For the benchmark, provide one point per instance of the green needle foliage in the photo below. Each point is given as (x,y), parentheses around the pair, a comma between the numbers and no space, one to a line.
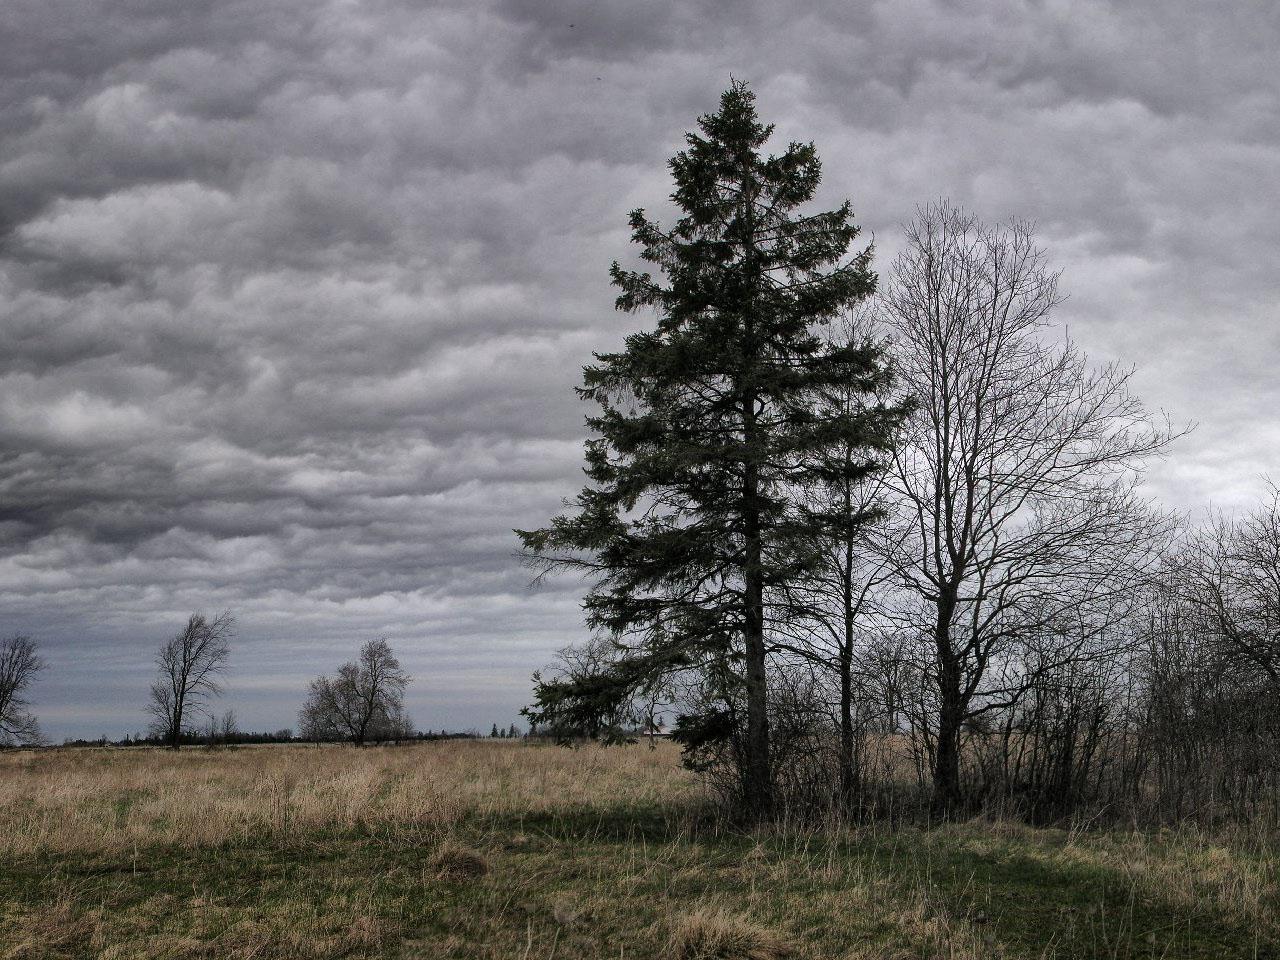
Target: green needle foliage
(709,428)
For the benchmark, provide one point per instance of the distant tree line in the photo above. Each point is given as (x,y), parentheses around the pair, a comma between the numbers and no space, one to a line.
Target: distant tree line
(362,703)
(879,543)
(244,738)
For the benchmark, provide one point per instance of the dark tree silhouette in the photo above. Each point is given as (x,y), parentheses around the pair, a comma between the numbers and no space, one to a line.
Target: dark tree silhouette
(189,667)
(19,664)
(365,701)
(691,522)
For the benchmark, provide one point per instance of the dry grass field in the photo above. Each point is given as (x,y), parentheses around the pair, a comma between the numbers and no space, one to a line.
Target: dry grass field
(524,851)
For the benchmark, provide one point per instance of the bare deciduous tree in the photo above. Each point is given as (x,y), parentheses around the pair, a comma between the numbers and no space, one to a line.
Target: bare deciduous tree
(1233,579)
(189,666)
(19,664)
(1017,471)
(364,701)
(222,729)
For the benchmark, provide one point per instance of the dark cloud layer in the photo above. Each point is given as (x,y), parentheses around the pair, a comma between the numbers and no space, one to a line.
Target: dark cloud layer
(293,295)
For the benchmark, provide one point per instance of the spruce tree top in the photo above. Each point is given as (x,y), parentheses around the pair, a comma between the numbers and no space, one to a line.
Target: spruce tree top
(708,423)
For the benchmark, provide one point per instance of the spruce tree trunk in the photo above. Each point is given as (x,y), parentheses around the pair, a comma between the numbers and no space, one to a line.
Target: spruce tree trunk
(848,770)
(757,779)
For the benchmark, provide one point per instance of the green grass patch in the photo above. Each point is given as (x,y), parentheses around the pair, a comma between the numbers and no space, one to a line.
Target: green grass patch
(610,885)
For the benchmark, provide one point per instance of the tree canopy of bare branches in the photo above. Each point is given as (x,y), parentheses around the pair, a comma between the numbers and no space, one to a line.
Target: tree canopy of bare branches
(189,665)
(19,665)
(1232,580)
(363,702)
(1016,475)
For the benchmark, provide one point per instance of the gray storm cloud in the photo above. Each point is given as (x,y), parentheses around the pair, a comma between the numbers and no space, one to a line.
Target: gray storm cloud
(293,295)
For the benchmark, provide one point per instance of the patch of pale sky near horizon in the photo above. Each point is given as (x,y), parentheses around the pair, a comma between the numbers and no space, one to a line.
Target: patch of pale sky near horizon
(294,296)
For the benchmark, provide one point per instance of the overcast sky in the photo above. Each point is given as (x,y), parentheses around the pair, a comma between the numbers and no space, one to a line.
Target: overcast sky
(293,295)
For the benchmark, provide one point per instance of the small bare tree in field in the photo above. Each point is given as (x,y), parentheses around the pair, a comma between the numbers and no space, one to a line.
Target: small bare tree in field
(1016,474)
(189,666)
(364,701)
(222,729)
(19,664)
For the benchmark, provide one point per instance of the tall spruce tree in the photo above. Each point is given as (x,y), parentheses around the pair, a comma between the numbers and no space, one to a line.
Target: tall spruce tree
(692,524)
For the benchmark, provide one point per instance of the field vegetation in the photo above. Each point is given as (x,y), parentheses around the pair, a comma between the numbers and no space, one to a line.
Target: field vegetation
(523,850)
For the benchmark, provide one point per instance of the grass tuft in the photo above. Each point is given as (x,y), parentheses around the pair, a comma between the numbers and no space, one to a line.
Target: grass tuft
(714,934)
(455,862)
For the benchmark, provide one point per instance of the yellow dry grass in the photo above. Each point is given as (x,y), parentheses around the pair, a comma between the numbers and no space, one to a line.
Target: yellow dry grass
(477,850)
(107,801)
